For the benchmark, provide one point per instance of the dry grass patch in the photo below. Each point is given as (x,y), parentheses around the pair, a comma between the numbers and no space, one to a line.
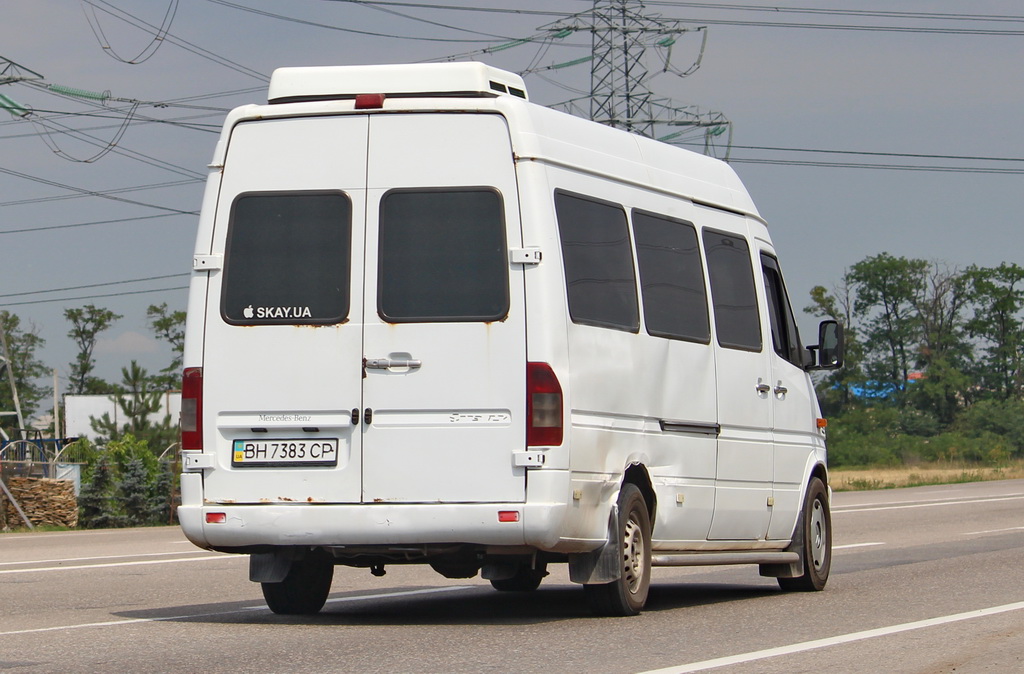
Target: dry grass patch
(858,479)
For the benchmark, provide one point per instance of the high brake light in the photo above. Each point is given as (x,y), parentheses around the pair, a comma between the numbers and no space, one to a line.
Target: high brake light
(192,408)
(543,406)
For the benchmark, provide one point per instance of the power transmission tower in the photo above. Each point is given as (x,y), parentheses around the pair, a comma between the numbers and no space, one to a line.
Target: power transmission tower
(620,96)
(12,72)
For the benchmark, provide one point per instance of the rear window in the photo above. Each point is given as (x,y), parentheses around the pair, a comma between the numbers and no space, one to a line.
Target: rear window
(442,256)
(287,259)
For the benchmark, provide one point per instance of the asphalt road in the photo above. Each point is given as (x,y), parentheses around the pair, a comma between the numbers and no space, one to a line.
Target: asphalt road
(923,580)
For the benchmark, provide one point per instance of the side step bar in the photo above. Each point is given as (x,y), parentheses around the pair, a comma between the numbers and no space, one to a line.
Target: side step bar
(720,558)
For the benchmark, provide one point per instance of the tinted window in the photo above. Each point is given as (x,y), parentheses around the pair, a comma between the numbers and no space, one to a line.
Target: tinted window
(785,337)
(737,321)
(671,278)
(287,259)
(598,262)
(442,256)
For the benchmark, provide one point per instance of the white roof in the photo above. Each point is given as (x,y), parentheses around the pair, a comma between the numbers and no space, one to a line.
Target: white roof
(446,79)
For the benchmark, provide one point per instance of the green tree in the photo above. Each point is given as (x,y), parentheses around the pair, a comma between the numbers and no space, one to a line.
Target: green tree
(997,297)
(97,502)
(943,350)
(86,325)
(888,290)
(836,389)
(24,367)
(142,397)
(169,326)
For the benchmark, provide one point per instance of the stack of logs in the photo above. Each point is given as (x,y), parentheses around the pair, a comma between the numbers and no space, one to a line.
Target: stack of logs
(44,501)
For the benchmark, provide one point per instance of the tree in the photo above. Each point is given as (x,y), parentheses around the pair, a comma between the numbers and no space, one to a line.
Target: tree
(169,326)
(836,389)
(141,398)
(86,325)
(943,350)
(887,293)
(997,297)
(24,367)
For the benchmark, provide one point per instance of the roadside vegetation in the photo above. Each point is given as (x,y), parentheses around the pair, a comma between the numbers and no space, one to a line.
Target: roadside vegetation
(933,385)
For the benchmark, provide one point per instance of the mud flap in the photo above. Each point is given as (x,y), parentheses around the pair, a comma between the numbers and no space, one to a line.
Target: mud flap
(795,569)
(272,567)
(603,565)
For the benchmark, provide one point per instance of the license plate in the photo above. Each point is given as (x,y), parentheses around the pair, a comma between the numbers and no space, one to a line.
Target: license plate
(285,452)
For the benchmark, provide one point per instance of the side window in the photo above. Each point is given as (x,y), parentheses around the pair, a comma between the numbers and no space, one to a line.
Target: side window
(442,256)
(737,320)
(288,259)
(785,337)
(671,278)
(598,262)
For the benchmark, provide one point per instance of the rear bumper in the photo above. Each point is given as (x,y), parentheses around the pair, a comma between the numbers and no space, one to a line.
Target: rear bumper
(378,524)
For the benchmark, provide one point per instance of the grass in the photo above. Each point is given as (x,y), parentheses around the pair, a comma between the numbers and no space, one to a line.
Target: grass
(921,474)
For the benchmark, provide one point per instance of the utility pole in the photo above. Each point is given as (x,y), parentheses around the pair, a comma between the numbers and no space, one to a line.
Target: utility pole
(622,38)
(6,369)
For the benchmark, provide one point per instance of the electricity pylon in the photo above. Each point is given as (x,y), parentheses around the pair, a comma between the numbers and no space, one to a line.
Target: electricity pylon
(623,37)
(12,72)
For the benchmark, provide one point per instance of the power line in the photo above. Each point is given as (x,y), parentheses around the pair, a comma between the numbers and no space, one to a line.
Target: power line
(95,285)
(92,297)
(168,37)
(316,24)
(764,24)
(93,193)
(880,154)
(94,222)
(119,190)
(886,167)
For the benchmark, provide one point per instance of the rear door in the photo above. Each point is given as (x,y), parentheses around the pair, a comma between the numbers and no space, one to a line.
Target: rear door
(444,388)
(365,339)
(283,349)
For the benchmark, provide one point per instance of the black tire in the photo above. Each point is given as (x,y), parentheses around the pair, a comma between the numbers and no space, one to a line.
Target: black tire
(304,590)
(526,579)
(627,595)
(816,550)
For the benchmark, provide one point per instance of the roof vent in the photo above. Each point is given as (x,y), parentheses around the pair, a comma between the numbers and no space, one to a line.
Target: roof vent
(419,80)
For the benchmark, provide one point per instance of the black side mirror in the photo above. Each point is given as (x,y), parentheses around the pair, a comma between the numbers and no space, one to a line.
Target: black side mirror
(829,349)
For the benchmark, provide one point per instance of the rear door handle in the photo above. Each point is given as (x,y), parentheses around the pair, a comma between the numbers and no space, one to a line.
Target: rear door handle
(390,363)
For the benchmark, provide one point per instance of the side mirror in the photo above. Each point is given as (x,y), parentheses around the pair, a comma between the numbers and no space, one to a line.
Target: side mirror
(829,349)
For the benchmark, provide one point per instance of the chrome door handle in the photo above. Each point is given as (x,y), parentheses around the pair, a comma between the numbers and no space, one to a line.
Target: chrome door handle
(388,363)
(781,390)
(763,388)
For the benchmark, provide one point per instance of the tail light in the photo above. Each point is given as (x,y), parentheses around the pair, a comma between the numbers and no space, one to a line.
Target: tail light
(543,406)
(192,408)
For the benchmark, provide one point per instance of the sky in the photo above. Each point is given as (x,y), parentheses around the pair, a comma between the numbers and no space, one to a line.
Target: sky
(915,83)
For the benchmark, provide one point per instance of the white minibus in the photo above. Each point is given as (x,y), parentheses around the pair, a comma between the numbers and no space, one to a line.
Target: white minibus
(431,322)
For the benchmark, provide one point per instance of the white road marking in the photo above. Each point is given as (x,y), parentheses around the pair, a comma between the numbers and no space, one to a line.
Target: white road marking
(77,567)
(835,641)
(993,531)
(931,500)
(930,504)
(855,545)
(136,621)
(84,559)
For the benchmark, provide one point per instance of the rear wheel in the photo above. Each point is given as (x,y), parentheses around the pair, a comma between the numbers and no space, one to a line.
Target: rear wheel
(304,590)
(526,579)
(627,595)
(817,544)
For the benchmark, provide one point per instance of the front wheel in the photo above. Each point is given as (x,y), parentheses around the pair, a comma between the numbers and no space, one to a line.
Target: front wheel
(627,595)
(304,590)
(816,549)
